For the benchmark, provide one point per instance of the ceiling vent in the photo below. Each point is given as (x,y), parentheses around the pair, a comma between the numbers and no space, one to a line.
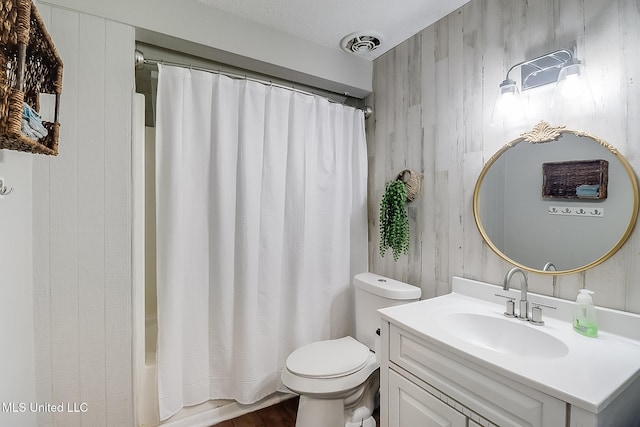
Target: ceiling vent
(361,42)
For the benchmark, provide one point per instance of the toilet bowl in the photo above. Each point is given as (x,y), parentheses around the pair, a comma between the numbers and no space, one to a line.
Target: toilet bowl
(333,380)
(338,380)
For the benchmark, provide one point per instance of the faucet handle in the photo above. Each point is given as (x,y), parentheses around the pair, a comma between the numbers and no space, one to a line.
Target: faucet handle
(510,305)
(536,313)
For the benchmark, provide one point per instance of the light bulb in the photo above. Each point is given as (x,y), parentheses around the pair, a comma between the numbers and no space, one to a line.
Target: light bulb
(571,86)
(507,102)
(572,93)
(508,106)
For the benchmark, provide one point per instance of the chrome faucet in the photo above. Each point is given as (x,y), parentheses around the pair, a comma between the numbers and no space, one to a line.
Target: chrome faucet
(547,267)
(524,287)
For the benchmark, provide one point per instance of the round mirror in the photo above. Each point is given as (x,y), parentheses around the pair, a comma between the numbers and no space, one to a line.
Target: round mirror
(556,198)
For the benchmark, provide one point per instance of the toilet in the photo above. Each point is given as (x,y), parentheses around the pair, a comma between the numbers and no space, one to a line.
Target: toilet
(338,380)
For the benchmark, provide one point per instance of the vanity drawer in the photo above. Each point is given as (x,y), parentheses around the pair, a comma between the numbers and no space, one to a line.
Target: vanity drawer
(499,399)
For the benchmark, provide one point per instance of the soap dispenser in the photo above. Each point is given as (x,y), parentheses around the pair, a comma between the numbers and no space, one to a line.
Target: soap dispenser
(584,318)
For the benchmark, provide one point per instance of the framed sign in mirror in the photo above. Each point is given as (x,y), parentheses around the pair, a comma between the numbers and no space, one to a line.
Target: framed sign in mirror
(555,195)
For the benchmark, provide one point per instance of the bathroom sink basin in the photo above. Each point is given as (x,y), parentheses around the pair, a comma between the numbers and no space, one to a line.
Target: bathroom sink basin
(504,335)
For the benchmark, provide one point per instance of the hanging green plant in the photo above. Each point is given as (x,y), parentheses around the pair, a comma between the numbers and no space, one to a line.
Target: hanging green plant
(394,222)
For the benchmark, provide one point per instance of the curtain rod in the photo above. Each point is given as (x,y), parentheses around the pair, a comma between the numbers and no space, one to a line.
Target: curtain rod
(140,60)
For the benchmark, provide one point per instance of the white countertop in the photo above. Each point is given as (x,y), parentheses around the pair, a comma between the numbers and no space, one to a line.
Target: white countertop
(591,373)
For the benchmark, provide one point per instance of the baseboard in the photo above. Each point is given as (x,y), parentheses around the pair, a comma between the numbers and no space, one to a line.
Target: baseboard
(226,412)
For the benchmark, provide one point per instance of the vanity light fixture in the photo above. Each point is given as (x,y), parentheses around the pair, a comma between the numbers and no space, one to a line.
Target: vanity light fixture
(559,67)
(508,106)
(573,89)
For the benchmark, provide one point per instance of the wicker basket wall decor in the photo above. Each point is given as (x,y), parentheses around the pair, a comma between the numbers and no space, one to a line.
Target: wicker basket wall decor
(29,66)
(413,181)
(562,180)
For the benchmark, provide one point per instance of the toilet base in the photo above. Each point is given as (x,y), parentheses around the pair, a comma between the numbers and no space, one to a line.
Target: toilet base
(326,413)
(320,412)
(369,422)
(353,410)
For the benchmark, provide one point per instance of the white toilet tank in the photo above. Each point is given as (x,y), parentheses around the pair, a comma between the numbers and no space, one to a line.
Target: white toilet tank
(373,292)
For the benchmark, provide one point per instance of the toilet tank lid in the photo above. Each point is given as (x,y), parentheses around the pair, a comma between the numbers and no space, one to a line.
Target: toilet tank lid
(386,287)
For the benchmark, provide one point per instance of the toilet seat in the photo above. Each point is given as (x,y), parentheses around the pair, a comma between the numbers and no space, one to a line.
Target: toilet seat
(328,359)
(329,383)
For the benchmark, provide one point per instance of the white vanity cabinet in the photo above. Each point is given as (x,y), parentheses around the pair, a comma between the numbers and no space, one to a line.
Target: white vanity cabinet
(457,360)
(423,385)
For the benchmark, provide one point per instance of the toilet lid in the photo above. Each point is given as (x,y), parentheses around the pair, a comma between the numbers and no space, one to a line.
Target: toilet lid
(328,359)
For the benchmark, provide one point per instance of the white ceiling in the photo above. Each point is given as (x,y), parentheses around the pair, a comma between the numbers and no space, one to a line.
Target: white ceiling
(326,22)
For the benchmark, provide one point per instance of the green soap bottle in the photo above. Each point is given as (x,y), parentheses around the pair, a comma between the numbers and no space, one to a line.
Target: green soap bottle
(584,318)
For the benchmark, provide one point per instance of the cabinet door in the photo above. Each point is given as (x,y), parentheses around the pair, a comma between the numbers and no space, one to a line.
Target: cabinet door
(411,406)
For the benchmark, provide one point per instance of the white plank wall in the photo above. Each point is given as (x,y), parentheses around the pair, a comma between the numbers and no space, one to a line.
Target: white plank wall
(17,358)
(82,228)
(432,100)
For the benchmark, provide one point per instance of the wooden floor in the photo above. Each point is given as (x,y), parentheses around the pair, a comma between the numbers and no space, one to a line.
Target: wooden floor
(281,415)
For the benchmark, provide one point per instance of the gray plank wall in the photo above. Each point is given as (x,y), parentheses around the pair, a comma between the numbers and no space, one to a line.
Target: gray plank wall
(433,97)
(82,228)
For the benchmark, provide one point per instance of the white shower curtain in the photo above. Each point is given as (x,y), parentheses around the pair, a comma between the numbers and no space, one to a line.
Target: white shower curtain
(261,225)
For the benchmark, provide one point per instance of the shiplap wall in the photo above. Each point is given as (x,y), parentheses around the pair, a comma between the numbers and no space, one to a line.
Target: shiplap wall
(17,371)
(432,99)
(82,228)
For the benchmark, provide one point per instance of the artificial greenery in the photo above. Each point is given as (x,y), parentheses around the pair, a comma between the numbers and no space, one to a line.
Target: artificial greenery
(394,222)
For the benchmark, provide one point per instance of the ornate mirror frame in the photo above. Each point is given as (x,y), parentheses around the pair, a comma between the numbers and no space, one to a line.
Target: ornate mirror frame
(540,134)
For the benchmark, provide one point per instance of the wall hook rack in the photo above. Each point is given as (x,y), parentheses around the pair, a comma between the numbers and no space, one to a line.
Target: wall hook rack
(4,190)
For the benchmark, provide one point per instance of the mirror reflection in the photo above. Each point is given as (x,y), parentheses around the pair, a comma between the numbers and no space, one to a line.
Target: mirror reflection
(556,196)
